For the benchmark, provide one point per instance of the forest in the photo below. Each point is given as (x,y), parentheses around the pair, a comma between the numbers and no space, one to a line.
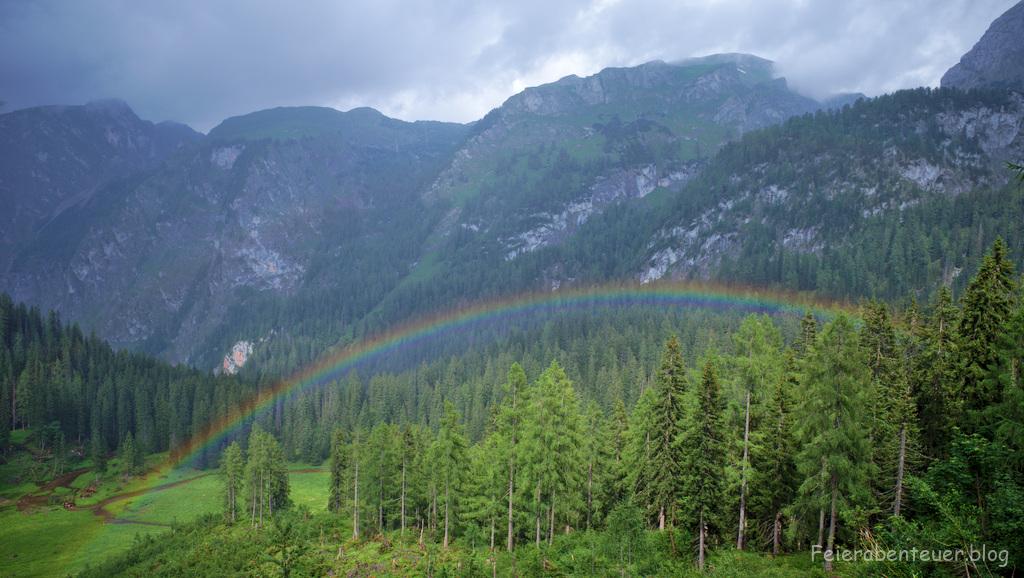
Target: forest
(693,443)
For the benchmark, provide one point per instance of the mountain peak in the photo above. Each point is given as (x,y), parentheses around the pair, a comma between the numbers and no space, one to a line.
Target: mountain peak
(110,106)
(289,122)
(997,60)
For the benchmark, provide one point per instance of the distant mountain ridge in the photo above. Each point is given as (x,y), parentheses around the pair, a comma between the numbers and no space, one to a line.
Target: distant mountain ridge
(54,157)
(997,60)
(297,227)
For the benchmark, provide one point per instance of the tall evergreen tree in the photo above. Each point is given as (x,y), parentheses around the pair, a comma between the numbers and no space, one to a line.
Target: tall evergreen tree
(757,346)
(449,454)
(266,477)
(232,471)
(775,481)
(657,479)
(551,450)
(987,303)
(935,374)
(338,488)
(507,427)
(702,448)
(835,460)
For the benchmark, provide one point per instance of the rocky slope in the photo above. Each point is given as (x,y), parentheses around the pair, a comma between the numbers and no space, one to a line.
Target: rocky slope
(54,158)
(810,188)
(261,207)
(553,155)
(289,229)
(997,60)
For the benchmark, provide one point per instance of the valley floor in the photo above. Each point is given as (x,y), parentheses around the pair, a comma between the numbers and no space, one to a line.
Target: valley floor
(73,521)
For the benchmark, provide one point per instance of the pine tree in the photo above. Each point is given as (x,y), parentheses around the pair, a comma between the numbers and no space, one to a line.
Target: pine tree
(935,374)
(339,467)
(449,454)
(702,448)
(551,450)
(232,471)
(659,471)
(987,303)
(757,344)
(835,460)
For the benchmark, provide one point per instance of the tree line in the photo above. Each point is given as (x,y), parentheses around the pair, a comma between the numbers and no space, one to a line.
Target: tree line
(895,429)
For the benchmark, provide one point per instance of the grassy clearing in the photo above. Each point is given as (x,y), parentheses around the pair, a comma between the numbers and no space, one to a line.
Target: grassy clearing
(52,541)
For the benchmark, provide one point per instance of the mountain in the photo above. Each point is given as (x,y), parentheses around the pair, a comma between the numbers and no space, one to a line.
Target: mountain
(54,158)
(997,60)
(284,203)
(287,230)
(321,220)
(553,155)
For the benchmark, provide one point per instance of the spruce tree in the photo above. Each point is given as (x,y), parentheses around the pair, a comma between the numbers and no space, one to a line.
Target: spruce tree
(935,374)
(775,480)
(757,346)
(1006,419)
(507,428)
(835,458)
(987,303)
(338,488)
(702,449)
(551,451)
(657,485)
(449,454)
(232,471)
(894,417)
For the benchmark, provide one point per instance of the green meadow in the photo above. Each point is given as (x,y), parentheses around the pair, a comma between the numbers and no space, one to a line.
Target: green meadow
(39,537)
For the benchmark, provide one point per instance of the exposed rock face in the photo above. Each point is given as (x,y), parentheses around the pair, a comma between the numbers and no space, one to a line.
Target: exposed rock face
(604,137)
(622,185)
(975,142)
(235,360)
(158,261)
(997,60)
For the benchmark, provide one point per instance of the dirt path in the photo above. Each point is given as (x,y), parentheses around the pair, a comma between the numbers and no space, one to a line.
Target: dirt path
(41,497)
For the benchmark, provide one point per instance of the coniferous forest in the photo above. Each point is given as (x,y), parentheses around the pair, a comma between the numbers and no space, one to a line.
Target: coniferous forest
(627,307)
(649,453)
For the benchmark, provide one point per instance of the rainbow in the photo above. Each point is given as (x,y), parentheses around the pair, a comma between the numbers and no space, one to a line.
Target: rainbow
(336,362)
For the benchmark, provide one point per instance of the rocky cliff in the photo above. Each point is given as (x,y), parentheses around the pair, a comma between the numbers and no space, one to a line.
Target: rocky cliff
(997,60)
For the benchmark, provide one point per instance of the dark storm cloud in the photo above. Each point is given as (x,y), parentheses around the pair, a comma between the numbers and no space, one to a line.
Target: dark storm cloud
(200,60)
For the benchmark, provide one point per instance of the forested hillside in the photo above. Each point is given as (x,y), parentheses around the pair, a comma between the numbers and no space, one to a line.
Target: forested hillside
(886,198)
(891,430)
(670,319)
(73,391)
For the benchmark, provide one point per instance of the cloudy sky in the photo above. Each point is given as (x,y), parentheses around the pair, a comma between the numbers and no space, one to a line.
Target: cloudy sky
(199,61)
